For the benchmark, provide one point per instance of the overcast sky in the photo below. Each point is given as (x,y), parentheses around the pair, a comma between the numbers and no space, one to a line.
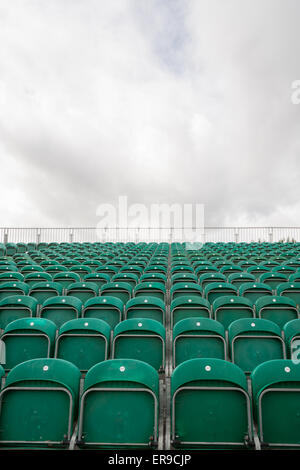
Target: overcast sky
(160,100)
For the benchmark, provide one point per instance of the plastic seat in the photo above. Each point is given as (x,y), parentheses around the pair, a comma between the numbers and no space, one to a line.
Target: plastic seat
(154,277)
(182,278)
(15,307)
(81,270)
(278,309)
(84,342)
(230,308)
(13,288)
(97,278)
(28,338)
(82,290)
(65,278)
(276,398)
(107,269)
(115,393)
(208,278)
(238,279)
(291,290)
(210,405)
(184,289)
(198,337)
(107,308)
(145,307)
(42,291)
(253,341)
(34,277)
(39,403)
(215,290)
(253,291)
(273,279)
(153,289)
(140,338)
(121,290)
(9,276)
(292,339)
(189,306)
(61,309)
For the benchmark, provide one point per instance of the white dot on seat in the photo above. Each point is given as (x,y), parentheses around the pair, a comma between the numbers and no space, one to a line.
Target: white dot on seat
(31,323)
(104,300)
(287,369)
(207,368)
(122,369)
(140,325)
(86,324)
(145,300)
(198,323)
(19,300)
(274,300)
(45,368)
(253,325)
(189,300)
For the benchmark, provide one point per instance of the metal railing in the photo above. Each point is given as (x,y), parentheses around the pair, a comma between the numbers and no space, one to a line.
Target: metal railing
(147,234)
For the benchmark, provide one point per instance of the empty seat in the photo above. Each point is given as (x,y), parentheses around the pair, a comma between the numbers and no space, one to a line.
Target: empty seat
(185,288)
(61,309)
(276,398)
(278,309)
(11,276)
(34,277)
(273,279)
(80,269)
(65,278)
(109,309)
(253,291)
(215,290)
(185,277)
(291,290)
(154,289)
(28,338)
(210,405)
(115,393)
(107,269)
(189,306)
(140,338)
(230,308)
(145,307)
(82,290)
(13,288)
(208,278)
(42,291)
(292,339)
(84,342)
(238,279)
(121,290)
(153,277)
(253,341)
(38,403)
(97,278)
(15,307)
(129,278)
(198,337)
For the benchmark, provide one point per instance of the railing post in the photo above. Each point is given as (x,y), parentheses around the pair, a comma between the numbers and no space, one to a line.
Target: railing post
(271,235)
(38,236)
(71,236)
(5,240)
(236,236)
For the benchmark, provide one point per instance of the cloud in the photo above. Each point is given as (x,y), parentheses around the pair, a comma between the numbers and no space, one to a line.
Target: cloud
(161,101)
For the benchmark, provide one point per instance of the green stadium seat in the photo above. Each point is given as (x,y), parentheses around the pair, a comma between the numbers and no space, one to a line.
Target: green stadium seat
(253,291)
(208,278)
(28,338)
(184,289)
(97,278)
(185,277)
(291,290)
(81,270)
(9,276)
(198,337)
(230,308)
(292,339)
(189,306)
(61,309)
(253,341)
(42,291)
(273,279)
(278,309)
(146,307)
(116,392)
(34,277)
(140,338)
(13,288)
(39,404)
(15,307)
(65,278)
(238,279)
(211,407)
(154,289)
(107,308)
(84,342)
(121,290)
(82,290)
(215,290)
(153,277)
(276,393)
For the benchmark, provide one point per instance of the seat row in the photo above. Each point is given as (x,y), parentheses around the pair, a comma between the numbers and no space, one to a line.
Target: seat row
(210,405)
